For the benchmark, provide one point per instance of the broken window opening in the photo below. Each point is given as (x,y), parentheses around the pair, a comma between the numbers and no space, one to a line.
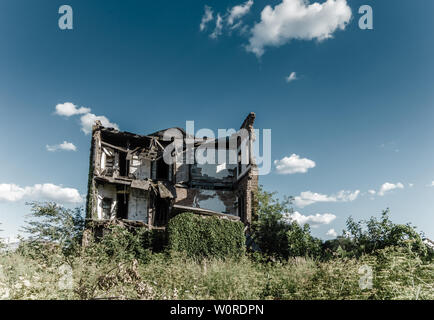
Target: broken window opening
(161,212)
(107,207)
(239,163)
(241,208)
(124,164)
(122,205)
(162,169)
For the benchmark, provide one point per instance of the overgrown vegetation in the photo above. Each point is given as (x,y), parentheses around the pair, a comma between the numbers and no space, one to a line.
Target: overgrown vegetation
(206,259)
(201,237)
(275,235)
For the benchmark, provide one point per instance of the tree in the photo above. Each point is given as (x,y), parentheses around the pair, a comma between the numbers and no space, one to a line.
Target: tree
(275,234)
(368,236)
(53,224)
(301,242)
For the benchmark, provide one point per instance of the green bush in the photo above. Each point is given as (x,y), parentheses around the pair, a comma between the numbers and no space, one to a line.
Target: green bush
(203,237)
(120,244)
(369,236)
(278,236)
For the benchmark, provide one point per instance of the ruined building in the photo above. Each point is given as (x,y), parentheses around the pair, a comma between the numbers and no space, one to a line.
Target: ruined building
(130,180)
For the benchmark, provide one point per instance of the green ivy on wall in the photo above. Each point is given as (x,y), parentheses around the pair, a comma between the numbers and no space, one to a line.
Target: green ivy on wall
(200,236)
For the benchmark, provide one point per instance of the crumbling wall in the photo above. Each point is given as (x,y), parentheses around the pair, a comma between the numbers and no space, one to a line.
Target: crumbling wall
(246,189)
(106,191)
(138,205)
(140,168)
(122,163)
(219,174)
(94,167)
(216,200)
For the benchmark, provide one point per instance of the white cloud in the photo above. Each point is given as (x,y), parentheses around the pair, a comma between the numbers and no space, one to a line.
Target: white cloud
(313,220)
(411,185)
(88,120)
(47,191)
(332,233)
(207,17)
(293,164)
(291,77)
(239,11)
(229,21)
(432,184)
(372,192)
(11,192)
(68,109)
(386,187)
(218,27)
(346,196)
(297,19)
(66,146)
(307,197)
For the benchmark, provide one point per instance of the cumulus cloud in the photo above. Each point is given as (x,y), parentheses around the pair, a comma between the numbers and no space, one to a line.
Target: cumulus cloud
(66,146)
(386,187)
(46,191)
(313,220)
(297,19)
(372,192)
(207,17)
(332,233)
(87,119)
(307,197)
(239,11)
(69,109)
(291,77)
(293,164)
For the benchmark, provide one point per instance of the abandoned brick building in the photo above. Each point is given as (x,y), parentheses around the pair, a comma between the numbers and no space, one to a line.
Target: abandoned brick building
(129,179)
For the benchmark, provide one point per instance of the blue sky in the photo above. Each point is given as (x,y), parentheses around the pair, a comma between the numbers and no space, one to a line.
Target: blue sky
(360,106)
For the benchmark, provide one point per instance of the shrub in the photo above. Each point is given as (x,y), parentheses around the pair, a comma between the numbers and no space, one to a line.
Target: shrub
(278,236)
(206,236)
(120,244)
(368,236)
(54,224)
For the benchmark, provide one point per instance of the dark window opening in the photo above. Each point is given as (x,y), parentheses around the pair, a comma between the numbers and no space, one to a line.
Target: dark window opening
(161,213)
(239,163)
(122,206)
(241,208)
(124,164)
(252,205)
(107,207)
(162,169)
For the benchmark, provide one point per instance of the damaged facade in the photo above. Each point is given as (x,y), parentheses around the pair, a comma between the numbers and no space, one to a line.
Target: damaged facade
(130,180)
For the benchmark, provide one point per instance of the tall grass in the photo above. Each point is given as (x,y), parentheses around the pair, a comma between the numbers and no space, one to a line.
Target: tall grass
(397,274)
